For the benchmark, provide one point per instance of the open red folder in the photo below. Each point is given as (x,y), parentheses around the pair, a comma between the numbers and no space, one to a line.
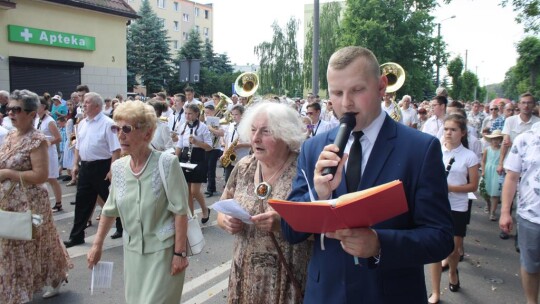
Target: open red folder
(353,210)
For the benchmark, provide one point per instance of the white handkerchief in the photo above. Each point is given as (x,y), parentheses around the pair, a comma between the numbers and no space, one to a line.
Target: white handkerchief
(101,276)
(231,207)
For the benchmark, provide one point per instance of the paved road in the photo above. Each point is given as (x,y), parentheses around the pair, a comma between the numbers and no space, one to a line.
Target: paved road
(489,273)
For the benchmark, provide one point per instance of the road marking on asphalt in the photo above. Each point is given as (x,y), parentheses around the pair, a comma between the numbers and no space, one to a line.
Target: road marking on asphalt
(207,276)
(80,250)
(64,215)
(209,293)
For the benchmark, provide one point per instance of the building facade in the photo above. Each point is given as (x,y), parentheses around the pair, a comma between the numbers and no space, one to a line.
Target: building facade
(54,45)
(181,16)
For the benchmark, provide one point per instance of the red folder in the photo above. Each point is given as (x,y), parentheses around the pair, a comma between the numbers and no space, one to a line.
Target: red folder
(353,210)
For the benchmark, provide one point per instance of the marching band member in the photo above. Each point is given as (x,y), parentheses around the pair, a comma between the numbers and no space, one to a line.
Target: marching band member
(193,140)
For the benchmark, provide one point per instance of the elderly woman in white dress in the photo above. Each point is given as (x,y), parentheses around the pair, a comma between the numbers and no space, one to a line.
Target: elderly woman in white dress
(154,219)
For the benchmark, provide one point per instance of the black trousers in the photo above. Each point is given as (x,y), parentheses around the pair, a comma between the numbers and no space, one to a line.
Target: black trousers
(212,157)
(227,172)
(90,184)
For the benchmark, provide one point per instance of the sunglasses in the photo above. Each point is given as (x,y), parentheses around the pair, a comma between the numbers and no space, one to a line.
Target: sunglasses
(16,110)
(126,129)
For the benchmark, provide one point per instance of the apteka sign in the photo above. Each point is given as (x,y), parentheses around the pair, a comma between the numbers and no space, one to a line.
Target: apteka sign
(24,34)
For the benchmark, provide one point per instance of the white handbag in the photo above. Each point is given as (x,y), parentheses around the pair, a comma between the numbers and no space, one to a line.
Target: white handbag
(17,225)
(195,238)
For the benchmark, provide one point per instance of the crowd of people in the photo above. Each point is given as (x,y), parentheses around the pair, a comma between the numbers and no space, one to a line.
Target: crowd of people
(145,163)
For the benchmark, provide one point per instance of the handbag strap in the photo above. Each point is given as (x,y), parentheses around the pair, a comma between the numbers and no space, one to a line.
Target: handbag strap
(296,284)
(164,181)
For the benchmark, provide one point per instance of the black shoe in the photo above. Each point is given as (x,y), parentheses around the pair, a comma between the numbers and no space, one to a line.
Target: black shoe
(66,179)
(72,203)
(116,235)
(503,235)
(209,194)
(517,249)
(204,220)
(461,257)
(454,287)
(57,207)
(73,242)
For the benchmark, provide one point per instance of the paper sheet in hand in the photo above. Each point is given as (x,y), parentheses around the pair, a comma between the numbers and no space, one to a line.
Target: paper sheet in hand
(188,165)
(212,121)
(101,276)
(231,207)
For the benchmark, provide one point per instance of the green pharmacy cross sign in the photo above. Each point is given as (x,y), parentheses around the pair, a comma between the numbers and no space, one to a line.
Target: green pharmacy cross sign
(30,35)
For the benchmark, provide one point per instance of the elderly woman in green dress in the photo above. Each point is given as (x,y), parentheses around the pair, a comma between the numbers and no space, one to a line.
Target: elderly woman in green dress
(155,221)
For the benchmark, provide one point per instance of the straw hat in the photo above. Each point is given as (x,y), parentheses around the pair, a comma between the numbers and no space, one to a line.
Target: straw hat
(494,134)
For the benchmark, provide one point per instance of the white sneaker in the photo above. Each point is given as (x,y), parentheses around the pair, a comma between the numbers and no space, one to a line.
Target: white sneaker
(52,292)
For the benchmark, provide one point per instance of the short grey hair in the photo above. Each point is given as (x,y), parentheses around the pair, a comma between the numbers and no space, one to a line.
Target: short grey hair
(29,99)
(4,94)
(283,122)
(95,98)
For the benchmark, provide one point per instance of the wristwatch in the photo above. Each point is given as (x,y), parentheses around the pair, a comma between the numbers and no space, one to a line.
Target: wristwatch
(181,254)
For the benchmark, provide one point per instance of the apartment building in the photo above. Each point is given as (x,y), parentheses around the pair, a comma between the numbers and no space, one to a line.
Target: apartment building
(180,17)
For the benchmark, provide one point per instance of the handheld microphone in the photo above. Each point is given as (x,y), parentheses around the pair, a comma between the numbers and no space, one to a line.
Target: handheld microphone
(346,125)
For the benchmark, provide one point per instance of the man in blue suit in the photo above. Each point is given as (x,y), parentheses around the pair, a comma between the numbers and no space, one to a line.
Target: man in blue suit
(383,263)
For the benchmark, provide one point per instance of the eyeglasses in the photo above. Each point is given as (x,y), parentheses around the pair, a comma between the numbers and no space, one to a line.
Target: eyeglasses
(494,109)
(16,110)
(126,129)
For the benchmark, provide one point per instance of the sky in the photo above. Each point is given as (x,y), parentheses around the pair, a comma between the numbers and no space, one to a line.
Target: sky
(482,29)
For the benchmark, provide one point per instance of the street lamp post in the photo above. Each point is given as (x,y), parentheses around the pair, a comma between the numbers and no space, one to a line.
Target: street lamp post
(439,49)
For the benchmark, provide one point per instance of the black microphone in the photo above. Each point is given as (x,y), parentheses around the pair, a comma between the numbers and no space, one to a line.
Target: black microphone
(346,125)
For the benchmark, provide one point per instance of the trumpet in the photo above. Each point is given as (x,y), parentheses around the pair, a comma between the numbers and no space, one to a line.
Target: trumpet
(396,78)
(224,102)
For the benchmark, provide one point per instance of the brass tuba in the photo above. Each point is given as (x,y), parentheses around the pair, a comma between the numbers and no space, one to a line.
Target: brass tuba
(224,102)
(396,78)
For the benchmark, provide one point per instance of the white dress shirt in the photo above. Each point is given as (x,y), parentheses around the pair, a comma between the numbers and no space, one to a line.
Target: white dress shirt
(200,133)
(95,139)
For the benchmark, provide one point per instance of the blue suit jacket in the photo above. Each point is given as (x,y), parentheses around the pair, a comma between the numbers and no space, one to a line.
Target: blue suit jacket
(420,236)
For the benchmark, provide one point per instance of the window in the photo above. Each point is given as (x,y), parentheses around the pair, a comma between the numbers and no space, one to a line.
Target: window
(206,14)
(197,28)
(185,17)
(206,32)
(162,21)
(175,44)
(196,12)
(176,27)
(176,6)
(184,36)
(161,3)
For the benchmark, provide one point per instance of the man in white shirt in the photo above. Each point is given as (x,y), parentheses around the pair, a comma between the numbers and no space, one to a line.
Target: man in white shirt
(319,125)
(310,99)
(96,149)
(177,118)
(522,170)
(435,123)
(190,96)
(408,114)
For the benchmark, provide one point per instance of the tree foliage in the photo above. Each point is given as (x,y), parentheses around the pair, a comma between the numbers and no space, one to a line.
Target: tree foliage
(523,77)
(279,67)
(216,69)
(455,68)
(400,31)
(329,42)
(528,13)
(470,86)
(148,56)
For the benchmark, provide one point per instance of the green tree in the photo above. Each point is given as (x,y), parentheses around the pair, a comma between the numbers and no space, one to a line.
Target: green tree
(528,13)
(400,31)
(329,42)
(148,56)
(279,69)
(455,68)
(523,77)
(470,88)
